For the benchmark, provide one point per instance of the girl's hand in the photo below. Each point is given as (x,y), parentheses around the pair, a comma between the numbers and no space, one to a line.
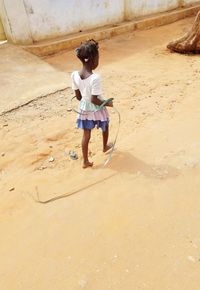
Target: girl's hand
(78,95)
(110,104)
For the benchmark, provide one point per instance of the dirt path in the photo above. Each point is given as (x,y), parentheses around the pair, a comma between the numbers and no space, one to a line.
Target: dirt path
(138,226)
(23,77)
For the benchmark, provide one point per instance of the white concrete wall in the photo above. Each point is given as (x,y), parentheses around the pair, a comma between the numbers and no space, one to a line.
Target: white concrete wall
(2,33)
(55,18)
(188,2)
(135,8)
(26,21)
(15,21)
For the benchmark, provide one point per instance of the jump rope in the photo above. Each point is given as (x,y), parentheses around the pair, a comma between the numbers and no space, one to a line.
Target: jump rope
(37,198)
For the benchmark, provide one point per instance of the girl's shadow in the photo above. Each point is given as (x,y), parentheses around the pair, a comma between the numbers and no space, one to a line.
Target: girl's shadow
(125,162)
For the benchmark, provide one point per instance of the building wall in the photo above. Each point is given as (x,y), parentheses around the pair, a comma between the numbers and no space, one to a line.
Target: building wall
(15,21)
(28,21)
(2,34)
(187,2)
(136,8)
(61,17)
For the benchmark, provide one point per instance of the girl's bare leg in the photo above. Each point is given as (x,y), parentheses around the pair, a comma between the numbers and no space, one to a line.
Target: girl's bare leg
(105,134)
(85,142)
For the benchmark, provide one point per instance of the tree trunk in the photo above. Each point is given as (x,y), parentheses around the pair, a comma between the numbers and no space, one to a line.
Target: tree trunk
(190,42)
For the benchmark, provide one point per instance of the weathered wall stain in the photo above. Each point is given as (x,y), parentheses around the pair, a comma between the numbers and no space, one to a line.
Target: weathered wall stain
(71,16)
(15,21)
(2,34)
(136,8)
(181,3)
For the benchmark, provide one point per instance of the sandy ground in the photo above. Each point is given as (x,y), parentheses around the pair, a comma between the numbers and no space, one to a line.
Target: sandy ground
(132,225)
(23,77)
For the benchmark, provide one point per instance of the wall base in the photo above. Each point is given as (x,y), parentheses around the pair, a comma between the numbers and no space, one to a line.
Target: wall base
(69,42)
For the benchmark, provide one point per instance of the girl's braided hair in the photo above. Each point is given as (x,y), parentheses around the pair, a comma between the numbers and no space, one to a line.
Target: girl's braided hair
(87,50)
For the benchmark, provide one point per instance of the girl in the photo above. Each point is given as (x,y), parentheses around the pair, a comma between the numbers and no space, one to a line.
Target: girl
(87,87)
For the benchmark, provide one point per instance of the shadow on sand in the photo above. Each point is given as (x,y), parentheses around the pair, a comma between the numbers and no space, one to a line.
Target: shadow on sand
(125,162)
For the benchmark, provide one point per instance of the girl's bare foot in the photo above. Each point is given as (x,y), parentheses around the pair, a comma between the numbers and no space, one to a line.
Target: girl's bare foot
(87,164)
(108,147)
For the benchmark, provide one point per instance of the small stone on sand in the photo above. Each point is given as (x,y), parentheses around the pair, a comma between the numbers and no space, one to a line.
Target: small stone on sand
(191,258)
(82,283)
(51,159)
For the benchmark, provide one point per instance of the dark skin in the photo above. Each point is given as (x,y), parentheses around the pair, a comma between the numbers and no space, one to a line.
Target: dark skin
(84,73)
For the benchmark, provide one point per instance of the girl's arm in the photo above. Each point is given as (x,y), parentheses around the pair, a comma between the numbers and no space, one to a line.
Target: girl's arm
(96,101)
(78,95)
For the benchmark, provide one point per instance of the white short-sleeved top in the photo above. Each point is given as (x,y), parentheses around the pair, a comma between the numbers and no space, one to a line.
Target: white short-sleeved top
(87,87)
